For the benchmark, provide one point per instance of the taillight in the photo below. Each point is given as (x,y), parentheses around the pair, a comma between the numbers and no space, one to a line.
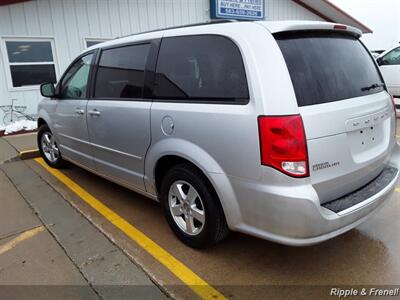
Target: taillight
(283,144)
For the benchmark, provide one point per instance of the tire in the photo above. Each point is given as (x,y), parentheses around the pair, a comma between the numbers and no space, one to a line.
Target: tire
(181,179)
(54,160)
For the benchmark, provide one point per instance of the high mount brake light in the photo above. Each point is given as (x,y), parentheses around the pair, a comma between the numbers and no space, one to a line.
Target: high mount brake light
(339,27)
(283,144)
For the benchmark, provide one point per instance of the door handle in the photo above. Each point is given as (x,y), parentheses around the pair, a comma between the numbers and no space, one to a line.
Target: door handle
(79,111)
(94,112)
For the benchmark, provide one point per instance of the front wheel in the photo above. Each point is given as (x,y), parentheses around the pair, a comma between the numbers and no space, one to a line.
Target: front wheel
(192,207)
(48,148)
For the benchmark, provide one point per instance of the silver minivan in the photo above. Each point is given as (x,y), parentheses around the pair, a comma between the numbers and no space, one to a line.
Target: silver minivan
(281,130)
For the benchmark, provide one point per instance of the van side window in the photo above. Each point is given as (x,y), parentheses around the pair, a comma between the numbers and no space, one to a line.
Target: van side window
(121,72)
(200,68)
(75,81)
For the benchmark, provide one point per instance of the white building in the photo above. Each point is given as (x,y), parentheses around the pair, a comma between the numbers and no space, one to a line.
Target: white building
(39,38)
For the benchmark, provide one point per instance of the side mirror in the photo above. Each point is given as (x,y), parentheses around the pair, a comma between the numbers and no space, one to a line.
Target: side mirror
(48,90)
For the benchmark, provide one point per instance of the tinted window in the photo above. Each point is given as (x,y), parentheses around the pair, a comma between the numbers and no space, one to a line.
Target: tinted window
(74,83)
(327,67)
(31,63)
(23,75)
(29,51)
(90,43)
(204,67)
(392,58)
(121,72)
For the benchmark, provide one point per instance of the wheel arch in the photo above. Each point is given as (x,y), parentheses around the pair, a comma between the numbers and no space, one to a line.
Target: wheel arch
(165,163)
(44,118)
(169,152)
(41,122)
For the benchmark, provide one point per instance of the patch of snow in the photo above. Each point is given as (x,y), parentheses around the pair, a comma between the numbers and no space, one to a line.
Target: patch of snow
(20,125)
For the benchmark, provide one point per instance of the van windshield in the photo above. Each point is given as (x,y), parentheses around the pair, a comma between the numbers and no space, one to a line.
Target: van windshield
(328,66)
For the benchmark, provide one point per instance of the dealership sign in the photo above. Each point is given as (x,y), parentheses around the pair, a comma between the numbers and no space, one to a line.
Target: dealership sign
(238,9)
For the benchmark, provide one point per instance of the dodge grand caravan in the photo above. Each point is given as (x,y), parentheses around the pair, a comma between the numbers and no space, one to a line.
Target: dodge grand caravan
(281,130)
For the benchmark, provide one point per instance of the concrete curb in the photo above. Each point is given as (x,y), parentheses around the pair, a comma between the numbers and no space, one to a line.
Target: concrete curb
(18,147)
(103,265)
(28,154)
(16,133)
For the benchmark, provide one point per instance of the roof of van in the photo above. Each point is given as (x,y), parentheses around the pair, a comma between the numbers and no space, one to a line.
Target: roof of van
(272,26)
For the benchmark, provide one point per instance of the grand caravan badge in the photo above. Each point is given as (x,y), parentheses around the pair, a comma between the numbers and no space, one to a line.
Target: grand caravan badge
(325,165)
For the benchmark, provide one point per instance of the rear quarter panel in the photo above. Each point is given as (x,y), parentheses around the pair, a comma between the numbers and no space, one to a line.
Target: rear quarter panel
(222,139)
(229,133)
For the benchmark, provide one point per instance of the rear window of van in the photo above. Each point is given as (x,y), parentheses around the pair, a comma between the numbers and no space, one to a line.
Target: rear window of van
(327,66)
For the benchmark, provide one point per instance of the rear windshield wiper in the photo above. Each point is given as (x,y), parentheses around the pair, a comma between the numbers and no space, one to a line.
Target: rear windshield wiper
(372,86)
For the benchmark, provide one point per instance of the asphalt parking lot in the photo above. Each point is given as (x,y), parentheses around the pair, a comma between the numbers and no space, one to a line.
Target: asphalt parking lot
(241,267)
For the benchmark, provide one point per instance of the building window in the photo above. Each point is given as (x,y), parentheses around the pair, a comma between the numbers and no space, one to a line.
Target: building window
(89,42)
(31,62)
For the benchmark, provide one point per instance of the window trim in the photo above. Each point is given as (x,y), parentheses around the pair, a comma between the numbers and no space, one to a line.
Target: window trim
(205,100)
(154,43)
(89,82)
(150,73)
(7,64)
(93,39)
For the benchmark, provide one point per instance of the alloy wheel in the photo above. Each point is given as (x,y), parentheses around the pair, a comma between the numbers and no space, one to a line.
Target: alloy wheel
(186,207)
(49,147)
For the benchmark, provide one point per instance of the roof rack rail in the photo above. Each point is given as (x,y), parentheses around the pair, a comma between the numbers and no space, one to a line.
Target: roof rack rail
(213,21)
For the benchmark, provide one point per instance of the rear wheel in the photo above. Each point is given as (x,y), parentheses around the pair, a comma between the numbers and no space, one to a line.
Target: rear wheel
(192,207)
(49,149)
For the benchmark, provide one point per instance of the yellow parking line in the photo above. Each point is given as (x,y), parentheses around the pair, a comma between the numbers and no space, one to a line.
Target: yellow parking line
(20,238)
(397,190)
(180,270)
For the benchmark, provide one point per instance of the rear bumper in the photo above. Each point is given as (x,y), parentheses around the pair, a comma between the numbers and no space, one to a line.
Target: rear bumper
(294,215)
